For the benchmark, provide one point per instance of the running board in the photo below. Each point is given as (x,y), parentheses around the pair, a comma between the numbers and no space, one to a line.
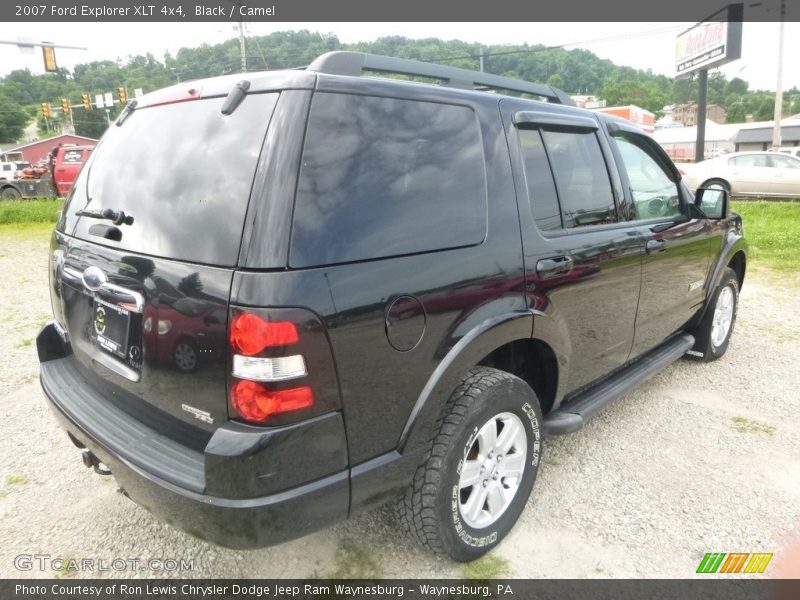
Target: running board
(573,415)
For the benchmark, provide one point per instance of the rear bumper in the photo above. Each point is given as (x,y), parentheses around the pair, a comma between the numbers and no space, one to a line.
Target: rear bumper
(172,480)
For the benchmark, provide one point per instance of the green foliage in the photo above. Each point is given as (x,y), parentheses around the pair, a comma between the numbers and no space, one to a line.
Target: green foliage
(773,232)
(575,71)
(29,211)
(13,118)
(487,567)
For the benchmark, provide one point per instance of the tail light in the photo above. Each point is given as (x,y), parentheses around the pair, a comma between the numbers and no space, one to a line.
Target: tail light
(277,357)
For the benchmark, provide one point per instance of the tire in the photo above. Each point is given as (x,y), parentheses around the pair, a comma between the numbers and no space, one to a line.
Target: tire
(10,193)
(185,356)
(441,509)
(713,334)
(717,184)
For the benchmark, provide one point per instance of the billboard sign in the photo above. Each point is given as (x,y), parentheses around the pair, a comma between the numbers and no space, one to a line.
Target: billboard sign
(711,43)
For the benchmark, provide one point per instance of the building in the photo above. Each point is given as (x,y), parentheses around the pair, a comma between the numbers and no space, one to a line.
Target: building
(33,152)
(758,136)
(679,142)
(588,101)
(686,114)
(642,117)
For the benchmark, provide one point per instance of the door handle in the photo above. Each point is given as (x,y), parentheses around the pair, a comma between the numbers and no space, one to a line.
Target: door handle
(653,246)
(548,268)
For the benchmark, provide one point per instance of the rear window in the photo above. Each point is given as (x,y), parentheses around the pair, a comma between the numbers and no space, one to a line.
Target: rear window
(73,156)
(184,171)
(386,177)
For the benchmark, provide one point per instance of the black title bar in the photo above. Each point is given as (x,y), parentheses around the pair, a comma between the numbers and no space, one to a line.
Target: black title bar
(369,10)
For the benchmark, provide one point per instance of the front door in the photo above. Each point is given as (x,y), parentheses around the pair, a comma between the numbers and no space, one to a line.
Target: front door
(677,247)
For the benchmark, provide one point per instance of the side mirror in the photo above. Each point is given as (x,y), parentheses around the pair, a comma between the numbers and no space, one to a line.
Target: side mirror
(713,202)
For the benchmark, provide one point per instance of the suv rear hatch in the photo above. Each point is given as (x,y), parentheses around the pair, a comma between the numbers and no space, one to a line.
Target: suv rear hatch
(143,288)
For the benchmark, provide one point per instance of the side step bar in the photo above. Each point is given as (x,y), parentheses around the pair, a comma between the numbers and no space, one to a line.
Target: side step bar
(572,416)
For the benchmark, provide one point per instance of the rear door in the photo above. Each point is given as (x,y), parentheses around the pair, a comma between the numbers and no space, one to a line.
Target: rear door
(582,261)
(786,179)
(677,247)
(144,297)
(750,174)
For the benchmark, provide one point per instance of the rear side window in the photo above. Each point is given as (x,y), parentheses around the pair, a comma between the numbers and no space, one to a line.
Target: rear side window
(539,179)
(584,187)
(183,171)
(385,177)
(749,160)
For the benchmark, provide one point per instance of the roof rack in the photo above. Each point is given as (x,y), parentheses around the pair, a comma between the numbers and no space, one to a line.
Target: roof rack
(355,63)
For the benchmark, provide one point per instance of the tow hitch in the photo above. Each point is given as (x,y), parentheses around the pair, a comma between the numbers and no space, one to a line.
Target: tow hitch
(90,460)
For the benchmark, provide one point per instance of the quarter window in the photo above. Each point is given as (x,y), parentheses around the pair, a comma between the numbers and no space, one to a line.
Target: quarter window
(385,177)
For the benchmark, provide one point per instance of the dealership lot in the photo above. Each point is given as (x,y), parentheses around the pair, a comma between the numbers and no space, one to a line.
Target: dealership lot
(702,458)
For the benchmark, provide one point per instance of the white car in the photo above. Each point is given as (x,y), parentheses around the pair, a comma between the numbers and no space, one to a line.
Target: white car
(768,174)
(791,151)
(7,170)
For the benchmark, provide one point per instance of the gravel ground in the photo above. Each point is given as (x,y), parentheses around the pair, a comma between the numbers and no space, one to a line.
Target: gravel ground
(702,458)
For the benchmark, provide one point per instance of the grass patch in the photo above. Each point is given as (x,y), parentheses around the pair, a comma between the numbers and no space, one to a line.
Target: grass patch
(69,568)
(355,562)
(743,425)
(773,231)
(29,211)
(486,567)
(16,479)
(24,343)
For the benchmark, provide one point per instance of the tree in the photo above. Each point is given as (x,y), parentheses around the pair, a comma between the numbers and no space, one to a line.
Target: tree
(13,119)
(90,123)
(555,80)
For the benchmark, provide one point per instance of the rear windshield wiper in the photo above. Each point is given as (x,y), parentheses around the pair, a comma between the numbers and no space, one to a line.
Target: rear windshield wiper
(118,217)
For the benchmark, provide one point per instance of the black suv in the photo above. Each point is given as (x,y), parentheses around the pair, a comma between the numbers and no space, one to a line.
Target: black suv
(331,290)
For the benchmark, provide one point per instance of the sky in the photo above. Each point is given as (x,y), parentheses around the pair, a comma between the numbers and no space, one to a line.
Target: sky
(638,45)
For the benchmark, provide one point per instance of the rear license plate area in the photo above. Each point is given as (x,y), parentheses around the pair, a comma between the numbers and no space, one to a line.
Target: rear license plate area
(111,326)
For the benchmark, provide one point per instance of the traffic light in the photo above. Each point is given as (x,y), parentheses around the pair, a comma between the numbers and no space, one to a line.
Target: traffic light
(87,101)
(46,110)
(122,95)
(49,54)
(65,105)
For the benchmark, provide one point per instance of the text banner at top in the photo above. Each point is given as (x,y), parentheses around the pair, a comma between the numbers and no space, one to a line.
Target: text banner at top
(369,10)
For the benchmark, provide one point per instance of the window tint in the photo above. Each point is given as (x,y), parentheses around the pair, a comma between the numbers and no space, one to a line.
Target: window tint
(384,177)
(654,193)
(750,160)
(183,171)
(584,188)
(539,179)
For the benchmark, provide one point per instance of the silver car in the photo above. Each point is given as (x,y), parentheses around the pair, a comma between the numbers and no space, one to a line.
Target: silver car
(768,174)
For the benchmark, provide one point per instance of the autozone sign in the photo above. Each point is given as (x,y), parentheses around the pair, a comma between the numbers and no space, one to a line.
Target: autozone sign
(708,44)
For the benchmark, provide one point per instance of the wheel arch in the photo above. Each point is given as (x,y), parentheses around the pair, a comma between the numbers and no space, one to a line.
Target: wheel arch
(479,343)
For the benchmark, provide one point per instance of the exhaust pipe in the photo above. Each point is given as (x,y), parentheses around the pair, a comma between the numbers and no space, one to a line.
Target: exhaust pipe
(91,461)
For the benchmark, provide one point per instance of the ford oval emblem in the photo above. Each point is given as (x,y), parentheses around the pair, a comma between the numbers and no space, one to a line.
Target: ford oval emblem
(94,278)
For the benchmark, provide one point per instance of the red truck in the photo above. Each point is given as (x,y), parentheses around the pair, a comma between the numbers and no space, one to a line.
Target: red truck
(66,166)
(55,179)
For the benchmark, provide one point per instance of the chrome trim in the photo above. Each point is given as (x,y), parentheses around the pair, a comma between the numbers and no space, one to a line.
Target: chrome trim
(75,277)
(116,366)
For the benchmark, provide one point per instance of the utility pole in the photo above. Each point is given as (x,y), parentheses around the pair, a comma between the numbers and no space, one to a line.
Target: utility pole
(481,59)
(702,110)
(776,127)
(241,46)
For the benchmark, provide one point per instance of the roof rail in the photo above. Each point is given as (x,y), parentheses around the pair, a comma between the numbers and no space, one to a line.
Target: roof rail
(355,63)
